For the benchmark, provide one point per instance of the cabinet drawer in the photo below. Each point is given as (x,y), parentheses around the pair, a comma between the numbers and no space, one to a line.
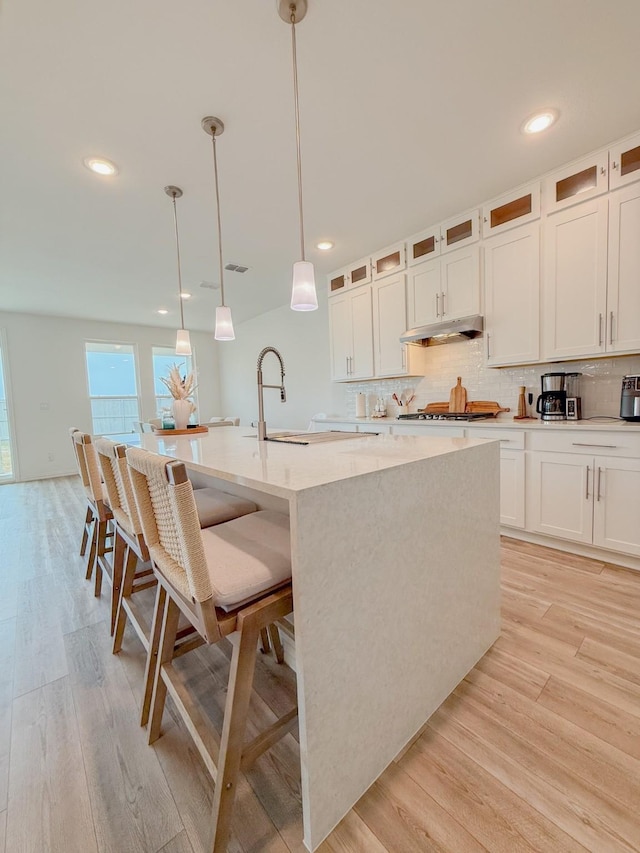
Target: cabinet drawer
(614,443)
(511,438)
(444,431)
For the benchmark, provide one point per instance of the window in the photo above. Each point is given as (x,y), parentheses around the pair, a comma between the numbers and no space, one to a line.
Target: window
(163,360)
(113,388)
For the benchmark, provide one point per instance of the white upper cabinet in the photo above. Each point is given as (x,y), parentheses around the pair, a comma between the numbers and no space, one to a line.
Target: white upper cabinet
(623,288)
(624,163)
(444,288)
(576,183)
(423,246)
(511,210)
(389,323)
(575,281)
(359,272)
(389,261)
(351,335)
(459,231)
(338,281)
(512,285)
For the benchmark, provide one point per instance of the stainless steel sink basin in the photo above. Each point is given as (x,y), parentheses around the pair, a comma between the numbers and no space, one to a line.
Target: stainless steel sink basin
(315,437)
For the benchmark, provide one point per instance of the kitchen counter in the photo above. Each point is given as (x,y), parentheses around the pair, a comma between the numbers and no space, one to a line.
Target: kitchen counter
(395,564)
(503,421)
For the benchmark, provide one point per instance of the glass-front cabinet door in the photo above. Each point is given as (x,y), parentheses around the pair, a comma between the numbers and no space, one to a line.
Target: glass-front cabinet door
(423,246)
(577,183)
(460,231)
(360,272)
(624,163)
(510,210)
(388,261)
(338,281)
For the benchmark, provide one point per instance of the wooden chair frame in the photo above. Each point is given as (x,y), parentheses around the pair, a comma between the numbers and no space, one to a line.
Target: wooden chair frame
(225,755)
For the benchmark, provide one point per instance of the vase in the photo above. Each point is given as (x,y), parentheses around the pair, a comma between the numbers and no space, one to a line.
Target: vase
(181,413)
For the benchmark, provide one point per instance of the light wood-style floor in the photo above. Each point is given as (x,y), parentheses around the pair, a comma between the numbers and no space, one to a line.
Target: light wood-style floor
(538,748)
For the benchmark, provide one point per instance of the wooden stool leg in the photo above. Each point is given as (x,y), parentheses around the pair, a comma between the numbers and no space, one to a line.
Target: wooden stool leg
(233,731)
(85,532)
(264,641)
(165,655)
(127,584)
(276,642)
(101,541)
(119,550)
(91,559)
(152,654)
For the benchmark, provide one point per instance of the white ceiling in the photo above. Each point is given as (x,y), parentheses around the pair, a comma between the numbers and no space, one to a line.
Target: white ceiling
(410,113)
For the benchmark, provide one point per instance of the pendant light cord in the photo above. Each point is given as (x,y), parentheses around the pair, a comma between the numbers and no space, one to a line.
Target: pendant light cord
(215,173)
(175,222)
(297,107)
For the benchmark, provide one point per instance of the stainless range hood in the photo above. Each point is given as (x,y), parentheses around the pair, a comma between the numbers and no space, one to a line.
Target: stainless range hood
(448,332)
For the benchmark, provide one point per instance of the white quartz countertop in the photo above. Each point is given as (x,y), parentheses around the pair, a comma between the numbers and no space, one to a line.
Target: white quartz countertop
(234,454)
(502,422)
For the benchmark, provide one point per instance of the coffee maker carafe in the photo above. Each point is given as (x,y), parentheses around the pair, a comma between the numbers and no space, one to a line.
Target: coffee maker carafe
(552,403)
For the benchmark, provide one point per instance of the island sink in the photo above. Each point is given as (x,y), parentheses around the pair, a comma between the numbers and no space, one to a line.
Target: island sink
(315,437)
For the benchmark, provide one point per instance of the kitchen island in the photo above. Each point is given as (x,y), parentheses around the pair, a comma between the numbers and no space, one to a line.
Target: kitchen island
(395,562)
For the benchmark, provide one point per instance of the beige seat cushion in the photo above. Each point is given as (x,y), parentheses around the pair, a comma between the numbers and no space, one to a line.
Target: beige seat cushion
(216,507)
(247,557)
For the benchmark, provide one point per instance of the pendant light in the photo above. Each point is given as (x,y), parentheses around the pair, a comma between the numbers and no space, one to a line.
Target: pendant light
(183,342)
(224,324)
(303,292)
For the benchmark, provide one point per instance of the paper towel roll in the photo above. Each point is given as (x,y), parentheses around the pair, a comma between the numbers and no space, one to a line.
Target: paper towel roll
(361,405)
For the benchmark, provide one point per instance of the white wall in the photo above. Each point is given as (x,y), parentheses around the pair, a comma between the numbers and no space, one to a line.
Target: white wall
(303,341)
(46,365)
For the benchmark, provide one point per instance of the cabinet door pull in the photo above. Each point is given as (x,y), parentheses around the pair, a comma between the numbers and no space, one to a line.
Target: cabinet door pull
(587,490)
(599,330)
(584,444)
(404,355)
(346,358)
(611,328)
(614,165)
(598,486)
(351,365)
(488,346)
(437,304)
(444,310)
(603,171)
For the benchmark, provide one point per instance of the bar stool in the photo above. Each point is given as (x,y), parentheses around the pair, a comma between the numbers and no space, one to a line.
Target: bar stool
(98,504)
(88,521)
(235,577)
(132,570)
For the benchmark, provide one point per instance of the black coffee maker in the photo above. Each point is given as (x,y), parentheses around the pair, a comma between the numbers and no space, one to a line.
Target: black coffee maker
(552,403)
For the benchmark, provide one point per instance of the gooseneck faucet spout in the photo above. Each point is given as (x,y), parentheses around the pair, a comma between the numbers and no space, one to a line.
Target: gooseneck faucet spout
(262,426)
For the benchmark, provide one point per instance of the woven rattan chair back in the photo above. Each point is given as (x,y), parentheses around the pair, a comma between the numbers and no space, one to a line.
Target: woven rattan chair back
(115,473)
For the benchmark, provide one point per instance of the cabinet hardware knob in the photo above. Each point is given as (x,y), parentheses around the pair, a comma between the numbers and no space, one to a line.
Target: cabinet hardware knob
(603,171)
(614,165)
(484,219)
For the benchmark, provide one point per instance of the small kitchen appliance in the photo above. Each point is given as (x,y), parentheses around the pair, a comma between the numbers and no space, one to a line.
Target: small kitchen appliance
(574,401)
(630,398)
(552,403)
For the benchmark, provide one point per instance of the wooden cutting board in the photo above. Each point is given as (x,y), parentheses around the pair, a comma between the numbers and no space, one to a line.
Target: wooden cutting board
(488,406)
(458,397)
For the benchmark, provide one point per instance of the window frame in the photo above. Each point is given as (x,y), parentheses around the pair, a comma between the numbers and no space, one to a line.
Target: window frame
(136,372)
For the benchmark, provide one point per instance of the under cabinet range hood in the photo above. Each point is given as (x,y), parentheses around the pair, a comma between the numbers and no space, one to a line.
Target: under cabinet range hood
(448,332)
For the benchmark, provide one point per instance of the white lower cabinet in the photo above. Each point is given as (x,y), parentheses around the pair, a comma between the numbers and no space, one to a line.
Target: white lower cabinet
(512,488)
(616,515)
(586,499)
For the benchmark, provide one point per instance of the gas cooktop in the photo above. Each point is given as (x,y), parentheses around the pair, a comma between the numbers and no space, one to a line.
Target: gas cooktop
(445,416)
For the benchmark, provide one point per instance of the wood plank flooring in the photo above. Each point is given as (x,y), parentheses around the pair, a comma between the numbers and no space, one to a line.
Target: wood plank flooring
(538,749)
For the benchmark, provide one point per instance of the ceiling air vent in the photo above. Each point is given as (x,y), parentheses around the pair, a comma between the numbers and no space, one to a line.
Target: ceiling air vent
(236,268)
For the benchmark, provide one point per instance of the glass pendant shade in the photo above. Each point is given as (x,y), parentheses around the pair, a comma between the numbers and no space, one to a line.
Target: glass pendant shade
(303,293)
(183,342)
(224,324)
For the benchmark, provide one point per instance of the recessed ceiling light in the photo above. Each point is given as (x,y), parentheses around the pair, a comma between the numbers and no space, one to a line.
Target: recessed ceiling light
(324,245)
(162,311)
(185,295)
(100,166)
(540,121)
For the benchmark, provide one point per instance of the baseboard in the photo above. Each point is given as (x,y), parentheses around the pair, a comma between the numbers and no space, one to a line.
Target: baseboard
(578,548)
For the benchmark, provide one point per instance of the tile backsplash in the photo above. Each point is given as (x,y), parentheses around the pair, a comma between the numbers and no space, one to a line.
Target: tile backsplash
(600,380)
